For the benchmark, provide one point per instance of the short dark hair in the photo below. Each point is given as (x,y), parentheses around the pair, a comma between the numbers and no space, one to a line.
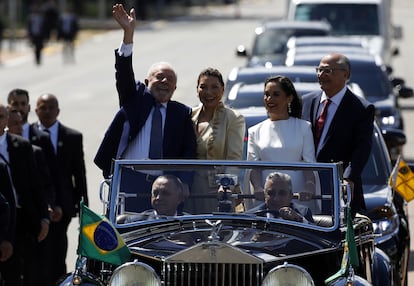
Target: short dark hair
(280,177)
(211,72)
(17,91)
(177,182)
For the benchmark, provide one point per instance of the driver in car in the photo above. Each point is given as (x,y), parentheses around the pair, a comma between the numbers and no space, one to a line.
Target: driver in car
(167,194)
(278,200)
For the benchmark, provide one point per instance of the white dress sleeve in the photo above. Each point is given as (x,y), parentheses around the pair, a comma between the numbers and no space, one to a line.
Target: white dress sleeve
(308,152)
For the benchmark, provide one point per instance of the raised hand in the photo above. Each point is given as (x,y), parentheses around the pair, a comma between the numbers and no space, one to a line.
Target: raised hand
(125,20)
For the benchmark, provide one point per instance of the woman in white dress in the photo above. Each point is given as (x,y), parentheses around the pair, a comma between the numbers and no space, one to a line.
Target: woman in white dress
(283,137)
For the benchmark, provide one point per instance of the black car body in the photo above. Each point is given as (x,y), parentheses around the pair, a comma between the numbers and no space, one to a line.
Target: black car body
(384,206)
(269,44)
(244,75)
(223,247)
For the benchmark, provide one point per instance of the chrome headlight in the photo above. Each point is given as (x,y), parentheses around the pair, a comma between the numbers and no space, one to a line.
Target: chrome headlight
(288,274)
(134,273)
(385,226)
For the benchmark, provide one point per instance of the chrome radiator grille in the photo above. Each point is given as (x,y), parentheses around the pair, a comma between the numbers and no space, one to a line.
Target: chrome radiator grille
(212,264)
(209,274)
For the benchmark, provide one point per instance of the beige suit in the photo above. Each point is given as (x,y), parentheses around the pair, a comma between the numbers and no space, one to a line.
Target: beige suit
(222,139)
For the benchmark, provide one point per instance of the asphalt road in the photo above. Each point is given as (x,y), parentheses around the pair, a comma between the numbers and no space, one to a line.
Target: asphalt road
(86,89)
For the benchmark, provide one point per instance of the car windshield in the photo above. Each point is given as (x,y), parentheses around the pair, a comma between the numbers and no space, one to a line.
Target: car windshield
(345,19)
(292,193)
(273,41)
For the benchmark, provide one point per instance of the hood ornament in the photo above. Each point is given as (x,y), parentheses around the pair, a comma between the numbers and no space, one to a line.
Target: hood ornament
(215,229)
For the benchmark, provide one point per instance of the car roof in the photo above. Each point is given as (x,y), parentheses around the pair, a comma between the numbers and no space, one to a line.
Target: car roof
(338,1)
(347,41)
(321,48)
(251,95)
(259,74)
(320,25)
(314,57)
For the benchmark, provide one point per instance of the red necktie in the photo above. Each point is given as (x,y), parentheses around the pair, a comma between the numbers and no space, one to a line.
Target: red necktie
(321,122)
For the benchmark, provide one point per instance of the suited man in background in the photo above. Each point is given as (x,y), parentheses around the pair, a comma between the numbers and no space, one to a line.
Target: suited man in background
(346,134)
(68,147)
(18,100)
(129,135)
(17,153)
(45,196)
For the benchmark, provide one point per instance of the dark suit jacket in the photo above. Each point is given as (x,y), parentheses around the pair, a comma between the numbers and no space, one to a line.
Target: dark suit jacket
(40,138)
(147,215)
(349,137)
(136,103)
(300,209)
(23,173)
(70,158)
(8,206)
(4,218)
(43,182)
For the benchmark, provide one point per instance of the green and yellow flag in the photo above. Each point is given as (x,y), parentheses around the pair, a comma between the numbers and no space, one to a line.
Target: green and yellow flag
(98,239)
(402,180)
(350,256)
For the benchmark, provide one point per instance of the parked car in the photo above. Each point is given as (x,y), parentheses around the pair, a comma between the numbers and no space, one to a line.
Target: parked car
(223,247)
(270,38)
(369,19)
(251,95)
(351,41)
(385,207)
(255,75)
(372,77)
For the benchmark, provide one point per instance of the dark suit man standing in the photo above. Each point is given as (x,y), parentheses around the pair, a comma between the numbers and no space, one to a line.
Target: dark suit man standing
(129,135)
(18,99)
(68,146)
(17,153)
(346,132)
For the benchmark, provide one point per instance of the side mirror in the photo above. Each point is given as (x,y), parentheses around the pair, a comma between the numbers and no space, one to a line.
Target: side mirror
(396,81)
(241,51)
(395,139)
(405,92)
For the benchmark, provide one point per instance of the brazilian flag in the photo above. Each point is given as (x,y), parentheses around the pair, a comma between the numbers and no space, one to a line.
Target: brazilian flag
(350,256)
(402,179)
(98,239)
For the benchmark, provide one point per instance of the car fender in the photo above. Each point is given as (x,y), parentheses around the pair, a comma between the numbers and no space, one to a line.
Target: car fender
(86,280)
(382,269)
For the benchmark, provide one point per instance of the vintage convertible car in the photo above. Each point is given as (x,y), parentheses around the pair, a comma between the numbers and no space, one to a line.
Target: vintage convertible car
(230,237)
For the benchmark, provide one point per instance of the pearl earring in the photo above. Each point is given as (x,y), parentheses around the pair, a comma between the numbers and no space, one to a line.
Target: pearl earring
(289,108)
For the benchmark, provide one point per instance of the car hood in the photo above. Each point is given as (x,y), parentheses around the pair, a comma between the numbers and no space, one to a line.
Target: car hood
(285,241)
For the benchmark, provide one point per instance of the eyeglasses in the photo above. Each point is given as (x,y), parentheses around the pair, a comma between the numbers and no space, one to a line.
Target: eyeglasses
(327,70)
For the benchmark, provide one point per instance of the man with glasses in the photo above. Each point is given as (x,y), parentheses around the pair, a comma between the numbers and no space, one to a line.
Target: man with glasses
(342,123)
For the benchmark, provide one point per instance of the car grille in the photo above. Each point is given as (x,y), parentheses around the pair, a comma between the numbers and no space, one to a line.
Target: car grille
(212,264)
(208,274)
